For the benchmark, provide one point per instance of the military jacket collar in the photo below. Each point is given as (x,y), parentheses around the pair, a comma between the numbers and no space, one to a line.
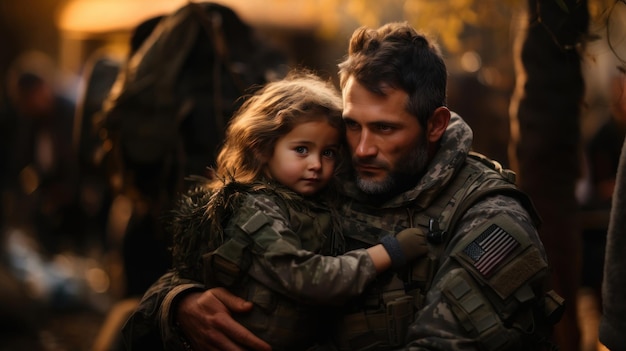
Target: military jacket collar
(455,145)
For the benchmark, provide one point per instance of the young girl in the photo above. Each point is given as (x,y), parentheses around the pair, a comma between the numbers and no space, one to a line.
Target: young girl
(262,225)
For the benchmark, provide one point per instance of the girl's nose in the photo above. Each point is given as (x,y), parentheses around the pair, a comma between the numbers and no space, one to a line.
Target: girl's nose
(315,163)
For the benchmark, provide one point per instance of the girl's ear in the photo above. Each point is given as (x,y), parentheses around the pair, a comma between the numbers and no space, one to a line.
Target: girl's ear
(437,124)
(263,156)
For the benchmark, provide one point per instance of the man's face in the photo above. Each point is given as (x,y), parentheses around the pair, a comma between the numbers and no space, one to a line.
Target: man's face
(388,145)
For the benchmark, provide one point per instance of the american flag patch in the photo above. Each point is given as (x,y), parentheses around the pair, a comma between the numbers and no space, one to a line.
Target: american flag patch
(490,248)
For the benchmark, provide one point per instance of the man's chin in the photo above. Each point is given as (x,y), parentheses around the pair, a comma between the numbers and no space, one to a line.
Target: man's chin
(373,186)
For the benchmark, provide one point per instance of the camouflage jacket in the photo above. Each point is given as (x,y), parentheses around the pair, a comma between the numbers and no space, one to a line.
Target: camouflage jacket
(265,243)
(447,301)
(467,295)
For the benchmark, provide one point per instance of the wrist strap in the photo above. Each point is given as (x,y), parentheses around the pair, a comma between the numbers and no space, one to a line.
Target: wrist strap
(392,245)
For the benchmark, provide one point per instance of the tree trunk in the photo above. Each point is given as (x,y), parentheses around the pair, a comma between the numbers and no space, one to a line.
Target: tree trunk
(545,139)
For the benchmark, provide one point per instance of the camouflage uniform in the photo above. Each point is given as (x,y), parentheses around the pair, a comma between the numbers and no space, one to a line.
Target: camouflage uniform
(275,251)
(465,295)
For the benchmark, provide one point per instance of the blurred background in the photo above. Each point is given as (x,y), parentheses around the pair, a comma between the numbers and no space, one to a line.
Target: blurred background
(541,83)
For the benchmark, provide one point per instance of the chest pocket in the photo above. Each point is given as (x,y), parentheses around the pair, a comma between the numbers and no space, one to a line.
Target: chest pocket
(313,229)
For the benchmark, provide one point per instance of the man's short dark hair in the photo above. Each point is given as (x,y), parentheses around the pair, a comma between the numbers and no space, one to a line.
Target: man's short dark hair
(396,55)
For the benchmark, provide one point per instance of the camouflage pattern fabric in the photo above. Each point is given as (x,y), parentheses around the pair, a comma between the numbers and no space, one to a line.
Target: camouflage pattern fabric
(443,302)
(151,326)
(268,252)
(440,323)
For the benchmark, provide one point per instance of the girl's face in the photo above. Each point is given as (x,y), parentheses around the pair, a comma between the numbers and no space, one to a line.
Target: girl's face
(304,159)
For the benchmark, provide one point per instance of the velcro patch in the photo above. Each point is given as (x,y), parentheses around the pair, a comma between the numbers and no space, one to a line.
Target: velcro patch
(255,222)
(525,266)
(500,254)
(490,248)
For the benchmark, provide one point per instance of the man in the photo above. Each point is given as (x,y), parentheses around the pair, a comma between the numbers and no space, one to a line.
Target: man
(482,285)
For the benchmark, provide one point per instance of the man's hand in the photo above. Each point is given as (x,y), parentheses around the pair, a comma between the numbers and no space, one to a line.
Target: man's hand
(205,320)
(405,246)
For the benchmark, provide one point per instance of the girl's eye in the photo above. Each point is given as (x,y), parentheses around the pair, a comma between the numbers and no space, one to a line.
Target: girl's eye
(330,153)
(301,149)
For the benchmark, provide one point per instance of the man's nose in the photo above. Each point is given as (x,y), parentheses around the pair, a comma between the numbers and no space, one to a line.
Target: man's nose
(365,147)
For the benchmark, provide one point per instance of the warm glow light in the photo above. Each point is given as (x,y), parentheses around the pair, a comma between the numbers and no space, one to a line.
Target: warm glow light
(98,16)
(471,61)
(109,15)
(98,280)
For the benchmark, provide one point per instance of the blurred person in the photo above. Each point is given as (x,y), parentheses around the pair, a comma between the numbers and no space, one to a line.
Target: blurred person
(602,155)
(39,200)
(137,231)
(42,168)
(95,195)
(604,240)
(165,117)
(613,319)
(603,148)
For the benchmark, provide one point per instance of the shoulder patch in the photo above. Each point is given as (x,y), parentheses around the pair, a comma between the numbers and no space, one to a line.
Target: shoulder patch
(490,248)
(501,255)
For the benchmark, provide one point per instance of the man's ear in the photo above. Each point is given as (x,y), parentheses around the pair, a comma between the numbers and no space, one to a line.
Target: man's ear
(437,124)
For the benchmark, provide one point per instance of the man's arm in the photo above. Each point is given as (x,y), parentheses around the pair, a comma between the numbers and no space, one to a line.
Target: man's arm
(176,313)
(143,329)
(485,297)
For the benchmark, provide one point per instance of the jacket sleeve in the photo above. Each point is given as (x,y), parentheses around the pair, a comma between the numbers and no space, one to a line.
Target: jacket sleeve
(151,325)
(490,281)
(279,262)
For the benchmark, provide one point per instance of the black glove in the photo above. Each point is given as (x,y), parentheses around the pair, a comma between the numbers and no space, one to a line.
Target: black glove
(405,246)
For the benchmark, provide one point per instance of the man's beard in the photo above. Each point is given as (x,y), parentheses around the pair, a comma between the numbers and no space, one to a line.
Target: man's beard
(404,176)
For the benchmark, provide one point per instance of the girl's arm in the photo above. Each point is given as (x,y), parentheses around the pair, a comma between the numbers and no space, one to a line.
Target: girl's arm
(380,258)
(279,262)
